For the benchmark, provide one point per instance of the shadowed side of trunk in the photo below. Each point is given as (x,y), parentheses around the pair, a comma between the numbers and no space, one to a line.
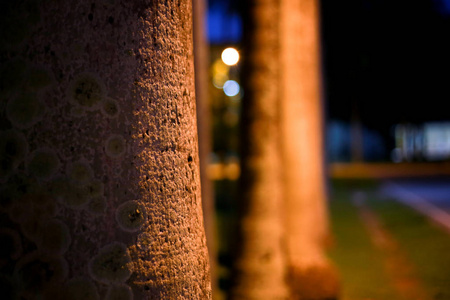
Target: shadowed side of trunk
(259,267)
(201,59)
(101,158)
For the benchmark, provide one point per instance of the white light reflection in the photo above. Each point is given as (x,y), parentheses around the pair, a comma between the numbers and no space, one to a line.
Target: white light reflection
(231,88)
(230,56)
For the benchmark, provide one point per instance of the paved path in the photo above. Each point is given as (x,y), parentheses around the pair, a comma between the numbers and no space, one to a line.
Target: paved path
(430,196)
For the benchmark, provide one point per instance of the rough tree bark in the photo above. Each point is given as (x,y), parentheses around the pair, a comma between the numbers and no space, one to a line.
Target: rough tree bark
(310,275)
(259,268)
(100,185)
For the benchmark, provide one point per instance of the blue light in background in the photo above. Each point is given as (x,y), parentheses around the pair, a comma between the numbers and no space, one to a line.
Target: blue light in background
(224,27)
(443,6)
(446,6)
(231,88)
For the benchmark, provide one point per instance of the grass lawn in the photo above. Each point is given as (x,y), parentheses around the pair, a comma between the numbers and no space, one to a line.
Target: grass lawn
(361,264)
(427,246)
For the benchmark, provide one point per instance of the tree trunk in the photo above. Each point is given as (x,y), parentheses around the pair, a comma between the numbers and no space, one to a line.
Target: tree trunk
(201,58)
(303,154)
(259,266)
(99,159)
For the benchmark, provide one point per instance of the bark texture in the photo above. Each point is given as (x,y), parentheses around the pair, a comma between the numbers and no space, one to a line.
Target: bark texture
(100,184)
(303,153)
(259,267)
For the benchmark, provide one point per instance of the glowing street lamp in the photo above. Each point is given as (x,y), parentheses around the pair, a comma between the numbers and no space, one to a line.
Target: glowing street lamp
(230,56)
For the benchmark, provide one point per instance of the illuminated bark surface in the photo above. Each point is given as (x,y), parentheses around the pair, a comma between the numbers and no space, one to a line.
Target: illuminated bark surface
(284,223)
(303,154)
(259,267)
(302,129)
(100,185)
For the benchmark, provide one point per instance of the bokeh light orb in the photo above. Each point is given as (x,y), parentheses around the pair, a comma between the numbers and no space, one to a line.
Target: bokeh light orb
(219,80)
(230,56)
(231,88)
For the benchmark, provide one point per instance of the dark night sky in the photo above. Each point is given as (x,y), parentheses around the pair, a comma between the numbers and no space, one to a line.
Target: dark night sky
(387,60)
(391,58)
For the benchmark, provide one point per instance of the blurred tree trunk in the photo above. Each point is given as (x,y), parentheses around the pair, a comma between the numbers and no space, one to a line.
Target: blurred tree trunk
(201,59)
(100,183)
(259,271)
(310,275)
